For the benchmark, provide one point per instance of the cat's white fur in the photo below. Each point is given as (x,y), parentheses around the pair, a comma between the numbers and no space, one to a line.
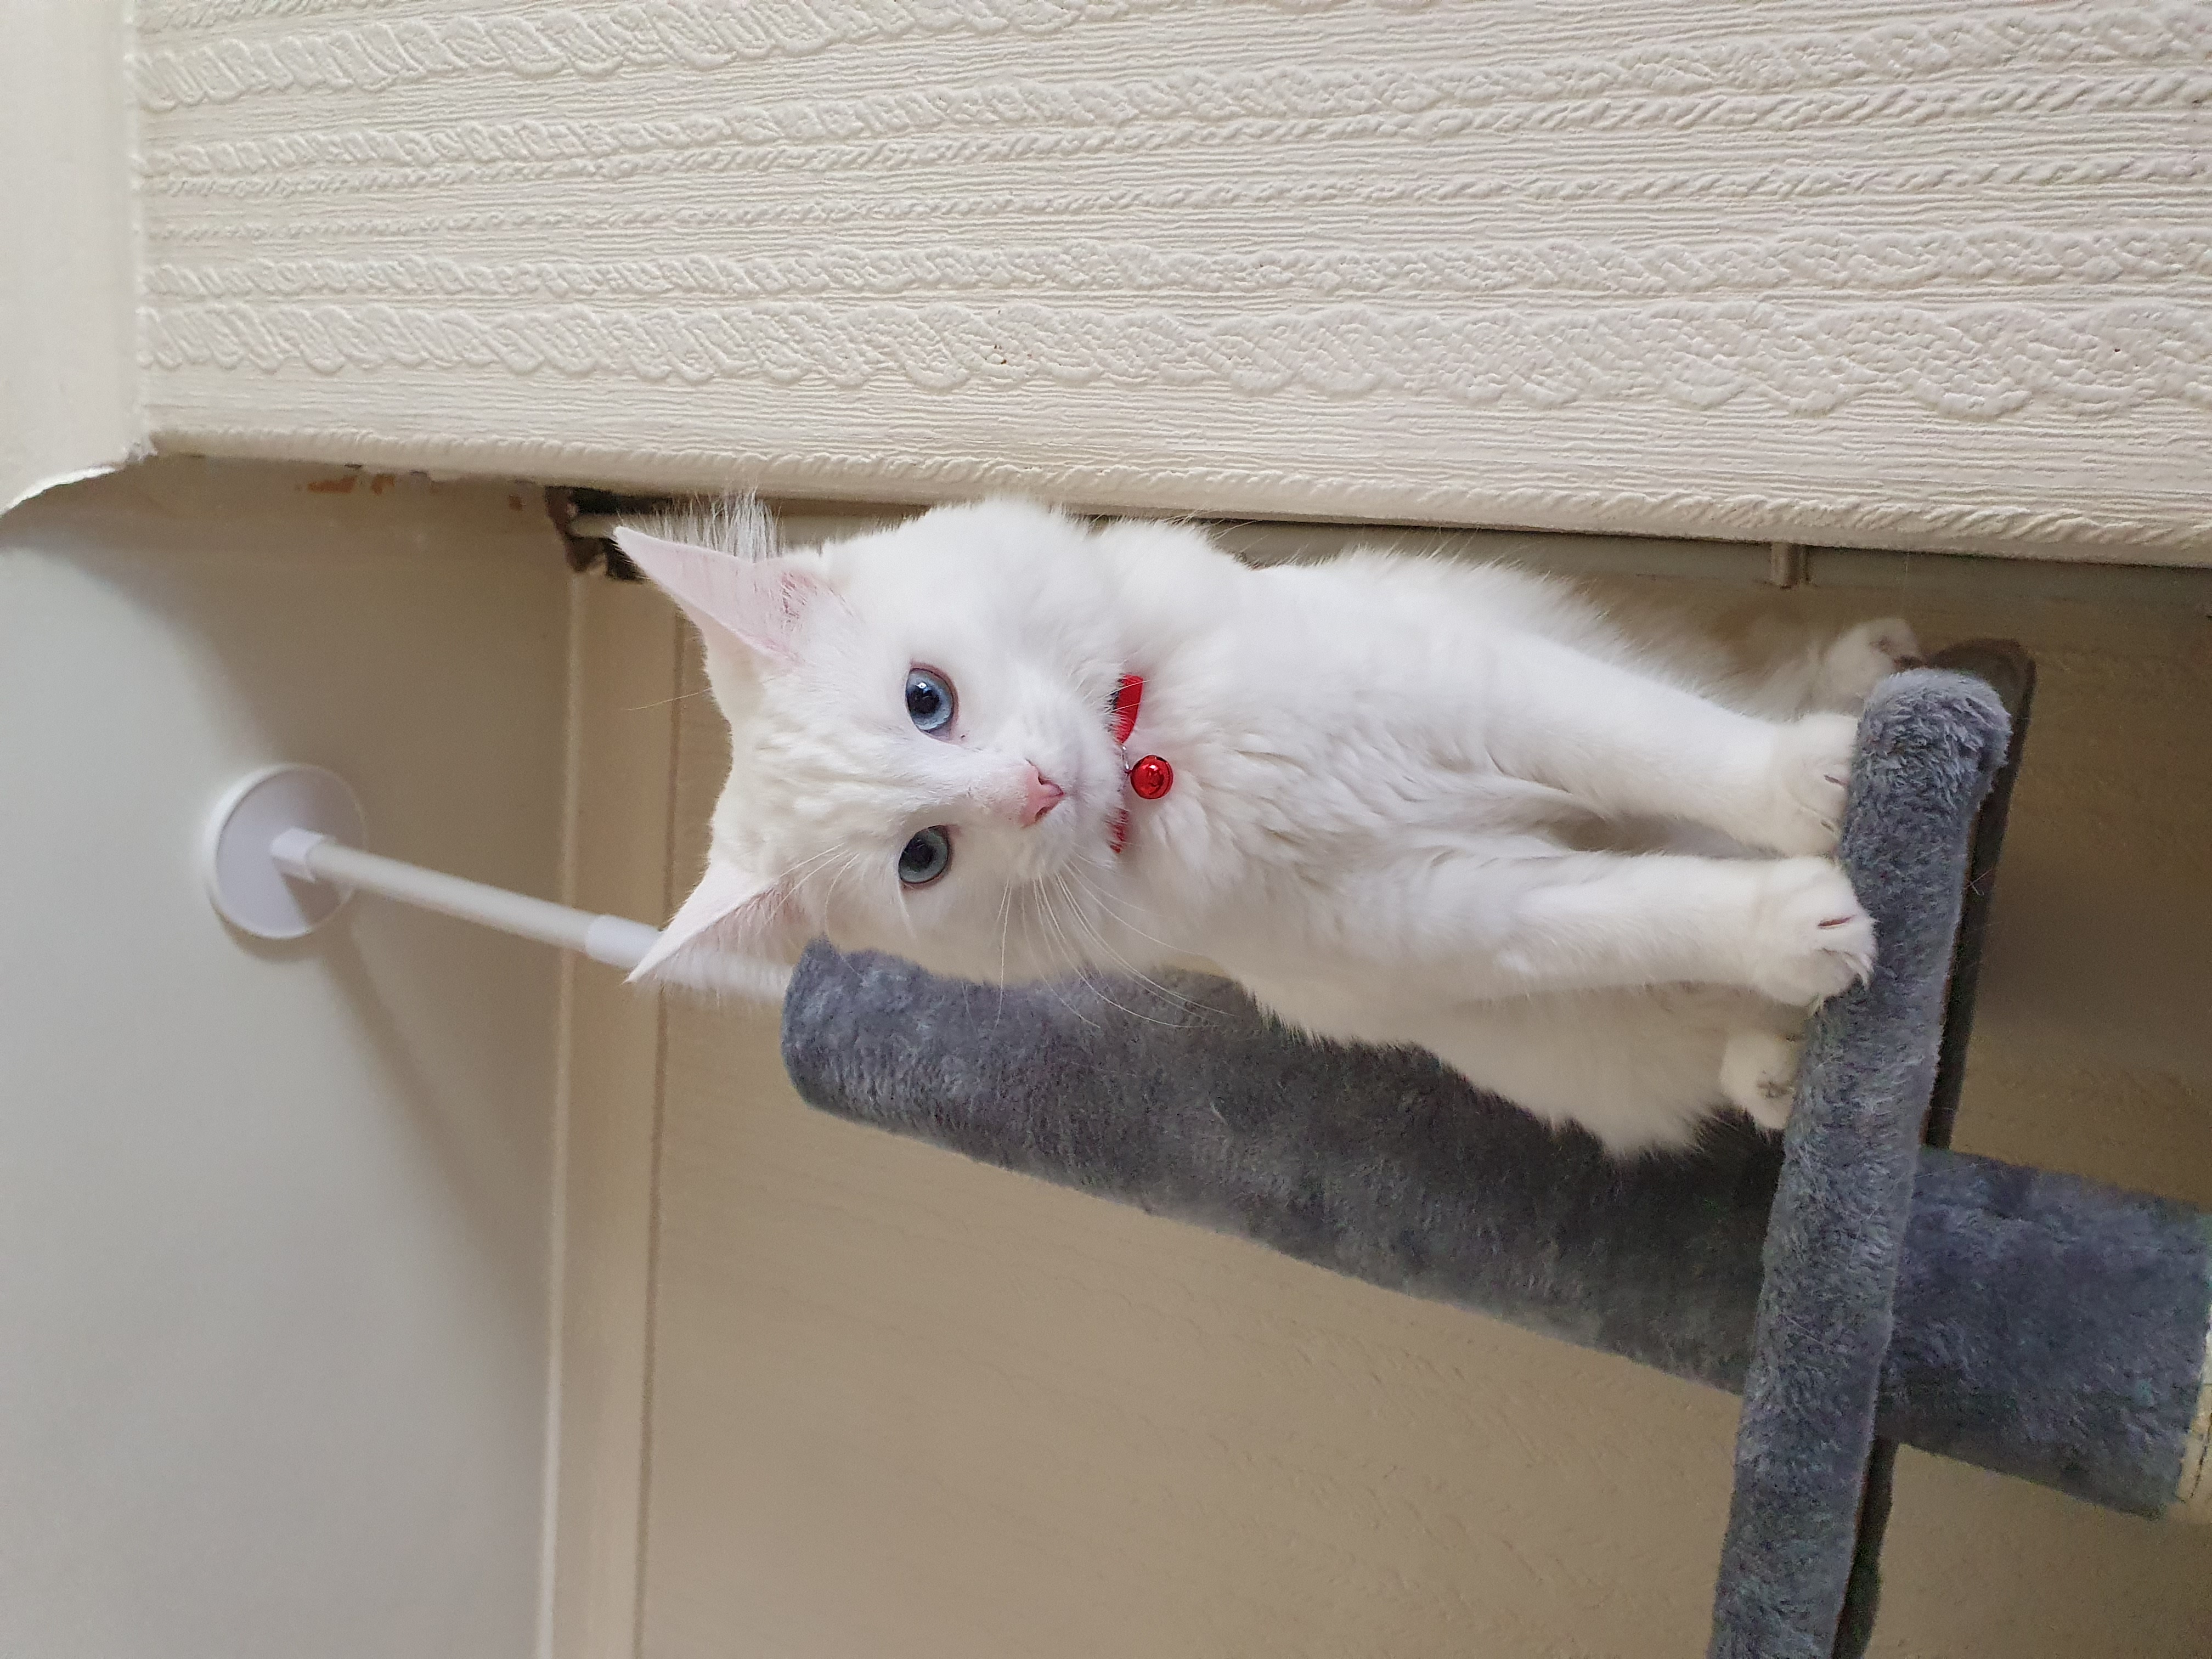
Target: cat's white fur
(1416,801)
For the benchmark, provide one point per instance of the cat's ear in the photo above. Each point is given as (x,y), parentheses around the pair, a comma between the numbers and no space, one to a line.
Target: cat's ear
(725,935)
(757,602)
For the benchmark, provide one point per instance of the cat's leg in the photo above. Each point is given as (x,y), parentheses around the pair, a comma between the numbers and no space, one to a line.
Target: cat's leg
(1791,930)
(1633,744)
(1759,1072)
(1779,668)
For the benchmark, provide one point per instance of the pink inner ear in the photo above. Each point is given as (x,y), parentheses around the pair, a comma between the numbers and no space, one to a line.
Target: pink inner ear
(738,911)
(758,602)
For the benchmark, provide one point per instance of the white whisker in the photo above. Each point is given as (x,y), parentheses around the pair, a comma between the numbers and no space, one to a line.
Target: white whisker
(1044,910)
(1061,885)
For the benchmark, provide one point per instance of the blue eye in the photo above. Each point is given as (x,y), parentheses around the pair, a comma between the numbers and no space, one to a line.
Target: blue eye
(928,700)
(924,858)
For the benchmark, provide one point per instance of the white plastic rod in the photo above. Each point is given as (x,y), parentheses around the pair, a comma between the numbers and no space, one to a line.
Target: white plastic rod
(312,856)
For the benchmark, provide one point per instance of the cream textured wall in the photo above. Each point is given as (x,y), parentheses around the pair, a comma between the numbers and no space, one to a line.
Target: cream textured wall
(904,1404)
(274,1219)
(1876,272)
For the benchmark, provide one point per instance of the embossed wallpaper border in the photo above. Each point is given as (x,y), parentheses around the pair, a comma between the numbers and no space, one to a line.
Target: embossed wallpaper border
(1874,274)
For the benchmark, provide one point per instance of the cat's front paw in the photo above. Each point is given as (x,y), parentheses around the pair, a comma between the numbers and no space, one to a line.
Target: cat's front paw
(1759,1072)
(1810,774)
(1810,936)
(1862,657)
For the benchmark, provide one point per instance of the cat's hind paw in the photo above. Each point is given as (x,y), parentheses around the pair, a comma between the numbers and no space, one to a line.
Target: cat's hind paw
(1811,937)
(1862,657)
(1759,1073)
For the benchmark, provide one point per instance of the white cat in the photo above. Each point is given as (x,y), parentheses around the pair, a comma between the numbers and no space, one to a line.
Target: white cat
(1408,801)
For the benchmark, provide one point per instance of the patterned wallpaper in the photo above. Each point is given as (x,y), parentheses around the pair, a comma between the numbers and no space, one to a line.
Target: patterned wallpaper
(1868,273)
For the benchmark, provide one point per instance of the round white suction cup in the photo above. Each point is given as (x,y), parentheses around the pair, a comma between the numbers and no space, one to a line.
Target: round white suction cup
(250,892)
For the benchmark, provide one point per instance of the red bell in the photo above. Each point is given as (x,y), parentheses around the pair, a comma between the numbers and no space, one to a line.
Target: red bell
(1151,777)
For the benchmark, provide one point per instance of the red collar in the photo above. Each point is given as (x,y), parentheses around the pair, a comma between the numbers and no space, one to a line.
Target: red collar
(1150,777)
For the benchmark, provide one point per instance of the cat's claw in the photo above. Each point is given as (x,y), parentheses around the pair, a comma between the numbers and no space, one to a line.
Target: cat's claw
(1803,813)
(1811,937)
(1759,1072)
(1863,657)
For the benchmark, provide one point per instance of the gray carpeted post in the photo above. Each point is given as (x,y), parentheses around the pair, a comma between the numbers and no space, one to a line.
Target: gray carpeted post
(1928,746)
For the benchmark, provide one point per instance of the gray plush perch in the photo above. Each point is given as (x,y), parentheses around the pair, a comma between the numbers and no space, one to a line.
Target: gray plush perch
(2031,1323)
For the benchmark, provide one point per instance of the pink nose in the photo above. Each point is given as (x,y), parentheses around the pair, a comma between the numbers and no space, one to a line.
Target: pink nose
(1042,796)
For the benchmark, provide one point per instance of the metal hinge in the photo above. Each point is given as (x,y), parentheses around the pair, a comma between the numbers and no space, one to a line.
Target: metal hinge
(586,520)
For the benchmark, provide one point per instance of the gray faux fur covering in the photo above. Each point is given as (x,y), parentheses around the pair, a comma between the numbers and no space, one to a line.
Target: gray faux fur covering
(1930,745)
(2045,1327)
(2041,1326)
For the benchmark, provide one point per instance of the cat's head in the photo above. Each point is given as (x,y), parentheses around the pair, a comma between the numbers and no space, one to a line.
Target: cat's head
(922,761)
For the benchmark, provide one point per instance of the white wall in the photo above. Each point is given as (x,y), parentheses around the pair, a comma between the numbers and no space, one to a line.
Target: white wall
(273,1221)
